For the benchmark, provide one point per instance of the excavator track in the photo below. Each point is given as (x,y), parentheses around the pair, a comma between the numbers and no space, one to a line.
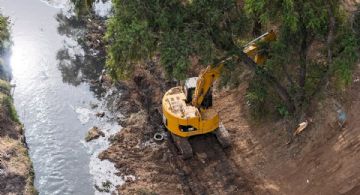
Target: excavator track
(209,171)
(183,145)
(223,136)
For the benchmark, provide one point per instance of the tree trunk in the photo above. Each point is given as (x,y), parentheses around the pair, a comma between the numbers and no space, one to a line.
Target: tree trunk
(329,42)
(303,65)
(256,31)
(272,81)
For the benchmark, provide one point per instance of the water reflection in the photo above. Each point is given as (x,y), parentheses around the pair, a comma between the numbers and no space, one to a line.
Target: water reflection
(51,71)
(69,24)
(81,60)
(78,60)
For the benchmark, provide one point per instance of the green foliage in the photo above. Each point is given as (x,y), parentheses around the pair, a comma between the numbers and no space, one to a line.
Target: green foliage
(355,23)
(231,74)
(5,44)
(4,34)
(175,29)
(7,102)
(83,7)
(282,111)
(301,25)
(4,86)
(294,15)
(346,54)
(256,97)
(316,72)
(210,30)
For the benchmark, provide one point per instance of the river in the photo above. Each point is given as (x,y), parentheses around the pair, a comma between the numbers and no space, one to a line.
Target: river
(56,110)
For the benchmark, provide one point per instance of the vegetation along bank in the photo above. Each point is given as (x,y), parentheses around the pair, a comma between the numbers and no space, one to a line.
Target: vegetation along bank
(16,172)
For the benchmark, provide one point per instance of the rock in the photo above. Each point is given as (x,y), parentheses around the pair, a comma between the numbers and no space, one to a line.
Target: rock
(100,114)
(94,133)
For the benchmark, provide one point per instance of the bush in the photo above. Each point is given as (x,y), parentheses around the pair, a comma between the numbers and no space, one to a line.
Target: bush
(4,86)
(346,54)
(4,34)
(7,102)
(256,97)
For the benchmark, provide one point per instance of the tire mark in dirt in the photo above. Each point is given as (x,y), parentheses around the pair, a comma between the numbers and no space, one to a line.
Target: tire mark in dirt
(209,171)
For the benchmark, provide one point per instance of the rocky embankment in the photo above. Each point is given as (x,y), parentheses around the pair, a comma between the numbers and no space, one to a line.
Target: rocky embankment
(16,172)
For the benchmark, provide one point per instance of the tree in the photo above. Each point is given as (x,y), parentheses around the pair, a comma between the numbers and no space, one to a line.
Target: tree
(83,7)
(175,29)
(304,24)
(212,30)
(4,34)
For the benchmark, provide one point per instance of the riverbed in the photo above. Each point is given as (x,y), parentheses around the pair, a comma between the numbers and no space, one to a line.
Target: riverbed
(57,106)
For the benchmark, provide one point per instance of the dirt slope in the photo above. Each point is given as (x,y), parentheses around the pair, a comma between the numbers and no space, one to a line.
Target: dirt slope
(322,160)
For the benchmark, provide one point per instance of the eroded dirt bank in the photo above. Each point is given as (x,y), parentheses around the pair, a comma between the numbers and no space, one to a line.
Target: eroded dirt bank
(321,160)
(16,172)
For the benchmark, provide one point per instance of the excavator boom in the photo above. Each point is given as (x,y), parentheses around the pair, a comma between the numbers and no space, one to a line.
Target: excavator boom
(209,75)
(205,82)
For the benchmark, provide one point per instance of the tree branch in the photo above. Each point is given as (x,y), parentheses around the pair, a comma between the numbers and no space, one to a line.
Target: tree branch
(329,42)
(272,81)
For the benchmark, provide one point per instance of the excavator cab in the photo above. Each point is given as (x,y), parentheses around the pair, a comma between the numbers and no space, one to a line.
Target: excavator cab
(189,89)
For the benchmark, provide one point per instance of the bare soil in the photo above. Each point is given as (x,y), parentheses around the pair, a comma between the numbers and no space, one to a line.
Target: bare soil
(321,160)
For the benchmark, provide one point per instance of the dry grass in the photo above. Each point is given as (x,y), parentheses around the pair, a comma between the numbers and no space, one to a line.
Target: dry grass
(15,159)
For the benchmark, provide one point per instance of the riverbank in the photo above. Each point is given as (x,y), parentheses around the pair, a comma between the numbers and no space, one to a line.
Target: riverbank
(147,166)
(16,171)
(261,160)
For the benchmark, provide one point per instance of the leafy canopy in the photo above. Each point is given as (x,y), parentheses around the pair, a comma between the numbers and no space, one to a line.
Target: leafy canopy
(177,30)
(314,42)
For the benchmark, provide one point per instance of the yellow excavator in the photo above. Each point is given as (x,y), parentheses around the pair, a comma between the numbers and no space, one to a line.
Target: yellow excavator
(188,111)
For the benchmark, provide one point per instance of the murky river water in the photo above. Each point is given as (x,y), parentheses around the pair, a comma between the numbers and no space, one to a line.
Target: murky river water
(56,114)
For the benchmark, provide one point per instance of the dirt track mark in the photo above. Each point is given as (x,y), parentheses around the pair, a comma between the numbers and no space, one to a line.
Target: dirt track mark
(210,171)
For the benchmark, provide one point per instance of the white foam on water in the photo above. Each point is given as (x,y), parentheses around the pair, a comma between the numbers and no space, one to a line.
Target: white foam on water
(103,8)
(104,172)
(83,115)
(57,3)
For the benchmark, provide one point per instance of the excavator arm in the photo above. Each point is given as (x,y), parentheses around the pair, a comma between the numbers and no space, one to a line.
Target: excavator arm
(205,82)
(209,75)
